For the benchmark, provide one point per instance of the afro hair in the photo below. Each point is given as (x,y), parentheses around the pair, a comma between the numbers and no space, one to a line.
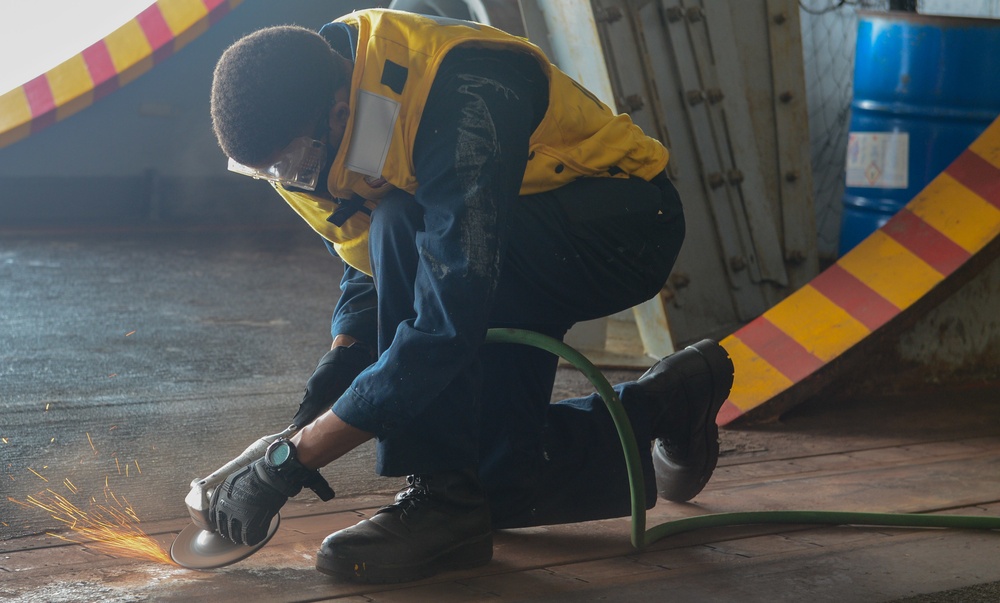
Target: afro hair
(268,87)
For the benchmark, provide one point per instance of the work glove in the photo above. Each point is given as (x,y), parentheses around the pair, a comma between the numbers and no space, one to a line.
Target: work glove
(243,506)
(334,374)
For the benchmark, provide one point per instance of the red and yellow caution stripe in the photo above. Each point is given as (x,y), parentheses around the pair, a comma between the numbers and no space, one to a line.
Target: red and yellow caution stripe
(948,223)
(125,54)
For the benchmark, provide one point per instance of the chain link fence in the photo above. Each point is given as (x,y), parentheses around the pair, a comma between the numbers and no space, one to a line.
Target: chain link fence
(829,30)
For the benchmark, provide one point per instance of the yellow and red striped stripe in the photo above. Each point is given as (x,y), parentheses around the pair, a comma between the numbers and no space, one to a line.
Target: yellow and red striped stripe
(126,53)
(949,222)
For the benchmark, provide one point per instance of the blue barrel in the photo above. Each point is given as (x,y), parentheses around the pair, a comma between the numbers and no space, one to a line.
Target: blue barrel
(924,88)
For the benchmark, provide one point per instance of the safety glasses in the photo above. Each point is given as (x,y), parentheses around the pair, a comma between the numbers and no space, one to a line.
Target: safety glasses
(298,166)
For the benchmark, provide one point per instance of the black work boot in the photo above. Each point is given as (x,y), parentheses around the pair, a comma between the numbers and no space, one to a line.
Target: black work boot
(693,383)
(439,522)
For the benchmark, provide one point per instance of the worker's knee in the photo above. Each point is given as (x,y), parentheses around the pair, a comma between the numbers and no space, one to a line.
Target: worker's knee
(397,217)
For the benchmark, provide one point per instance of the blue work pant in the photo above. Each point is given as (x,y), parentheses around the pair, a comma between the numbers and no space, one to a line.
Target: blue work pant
(541,262)
(587,250)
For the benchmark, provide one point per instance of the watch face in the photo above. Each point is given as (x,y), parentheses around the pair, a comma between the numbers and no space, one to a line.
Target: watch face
(279,454)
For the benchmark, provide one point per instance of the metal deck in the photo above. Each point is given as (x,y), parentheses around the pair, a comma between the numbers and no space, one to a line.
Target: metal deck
(170,350)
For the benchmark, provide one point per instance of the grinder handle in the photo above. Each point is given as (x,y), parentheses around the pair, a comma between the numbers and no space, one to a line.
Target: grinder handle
(197,499)
(252,453)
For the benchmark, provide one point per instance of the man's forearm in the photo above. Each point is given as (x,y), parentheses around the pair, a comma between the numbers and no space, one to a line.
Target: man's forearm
(327,439)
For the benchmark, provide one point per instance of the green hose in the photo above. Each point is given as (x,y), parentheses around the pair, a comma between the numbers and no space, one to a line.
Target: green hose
(642,537)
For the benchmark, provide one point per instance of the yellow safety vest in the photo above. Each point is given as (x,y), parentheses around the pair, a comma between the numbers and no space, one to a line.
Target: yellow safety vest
(397,58)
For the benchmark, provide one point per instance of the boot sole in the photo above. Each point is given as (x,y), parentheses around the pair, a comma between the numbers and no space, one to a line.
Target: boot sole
(466,555)
(684,483)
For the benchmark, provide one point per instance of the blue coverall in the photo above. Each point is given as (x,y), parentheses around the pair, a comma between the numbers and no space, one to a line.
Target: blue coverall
(466,253)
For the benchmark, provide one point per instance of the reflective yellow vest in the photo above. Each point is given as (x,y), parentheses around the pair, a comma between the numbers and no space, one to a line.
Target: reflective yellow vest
(397,57)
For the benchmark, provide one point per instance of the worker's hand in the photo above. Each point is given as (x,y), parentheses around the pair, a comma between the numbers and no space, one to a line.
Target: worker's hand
(334,374)
(243,506)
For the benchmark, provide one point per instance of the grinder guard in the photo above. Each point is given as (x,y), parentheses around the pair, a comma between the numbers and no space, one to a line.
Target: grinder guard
(198,546)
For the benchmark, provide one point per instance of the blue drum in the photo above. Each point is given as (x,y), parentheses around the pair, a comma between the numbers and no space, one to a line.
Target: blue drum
(924,88)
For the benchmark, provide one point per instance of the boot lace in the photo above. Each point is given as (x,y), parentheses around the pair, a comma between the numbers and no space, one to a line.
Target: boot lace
(417,491)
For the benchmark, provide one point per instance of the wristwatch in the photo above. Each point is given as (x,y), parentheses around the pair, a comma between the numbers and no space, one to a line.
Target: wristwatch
(281,453)
(282,456)
(281,459)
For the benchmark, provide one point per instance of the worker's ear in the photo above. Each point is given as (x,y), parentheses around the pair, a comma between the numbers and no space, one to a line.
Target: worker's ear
(340,113)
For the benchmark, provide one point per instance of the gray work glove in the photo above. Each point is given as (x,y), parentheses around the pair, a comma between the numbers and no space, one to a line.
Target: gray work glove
(243,506)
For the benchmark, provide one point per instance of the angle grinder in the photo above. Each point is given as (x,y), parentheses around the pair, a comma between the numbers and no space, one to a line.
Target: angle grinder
(198,546)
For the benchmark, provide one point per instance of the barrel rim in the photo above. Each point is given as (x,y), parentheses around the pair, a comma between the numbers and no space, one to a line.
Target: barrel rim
(940,20)
(985,112)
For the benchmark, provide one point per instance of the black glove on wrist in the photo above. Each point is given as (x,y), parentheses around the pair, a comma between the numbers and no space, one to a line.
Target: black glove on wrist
(243,506)
(334,374)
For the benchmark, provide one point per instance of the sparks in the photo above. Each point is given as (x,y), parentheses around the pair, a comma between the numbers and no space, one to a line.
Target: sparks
(4,440)
(130,333)
(38,474)
(111,528)
(113,497)
(137,467)
(91,443)
(46,407)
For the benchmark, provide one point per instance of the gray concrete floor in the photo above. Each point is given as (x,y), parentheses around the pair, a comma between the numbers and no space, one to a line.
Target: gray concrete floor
(173,349)
(170,350)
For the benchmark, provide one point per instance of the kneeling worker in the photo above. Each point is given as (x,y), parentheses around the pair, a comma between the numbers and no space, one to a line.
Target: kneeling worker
(466,183)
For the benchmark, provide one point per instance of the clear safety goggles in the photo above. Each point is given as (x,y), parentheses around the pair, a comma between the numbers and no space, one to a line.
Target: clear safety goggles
(298,166)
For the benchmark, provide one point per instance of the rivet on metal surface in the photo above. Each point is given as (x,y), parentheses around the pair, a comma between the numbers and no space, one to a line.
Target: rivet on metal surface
(634,102)
(791,176)
(695,14)
(714,95)
(695,97)
(715,180)
(735,176)
(608,15)
(674,14)
(679,280)
(780,18)
(786,97)
(737,263)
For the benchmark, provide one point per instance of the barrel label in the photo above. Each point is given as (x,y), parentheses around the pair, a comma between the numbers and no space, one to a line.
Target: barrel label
(878,159)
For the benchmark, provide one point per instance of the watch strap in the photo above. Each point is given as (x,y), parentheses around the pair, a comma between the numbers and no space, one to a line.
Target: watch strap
(289,477)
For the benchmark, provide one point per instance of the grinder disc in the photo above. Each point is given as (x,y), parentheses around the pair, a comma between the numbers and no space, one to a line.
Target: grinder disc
(195,548)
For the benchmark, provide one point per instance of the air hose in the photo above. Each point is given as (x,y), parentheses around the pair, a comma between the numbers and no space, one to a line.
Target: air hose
(642,537)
